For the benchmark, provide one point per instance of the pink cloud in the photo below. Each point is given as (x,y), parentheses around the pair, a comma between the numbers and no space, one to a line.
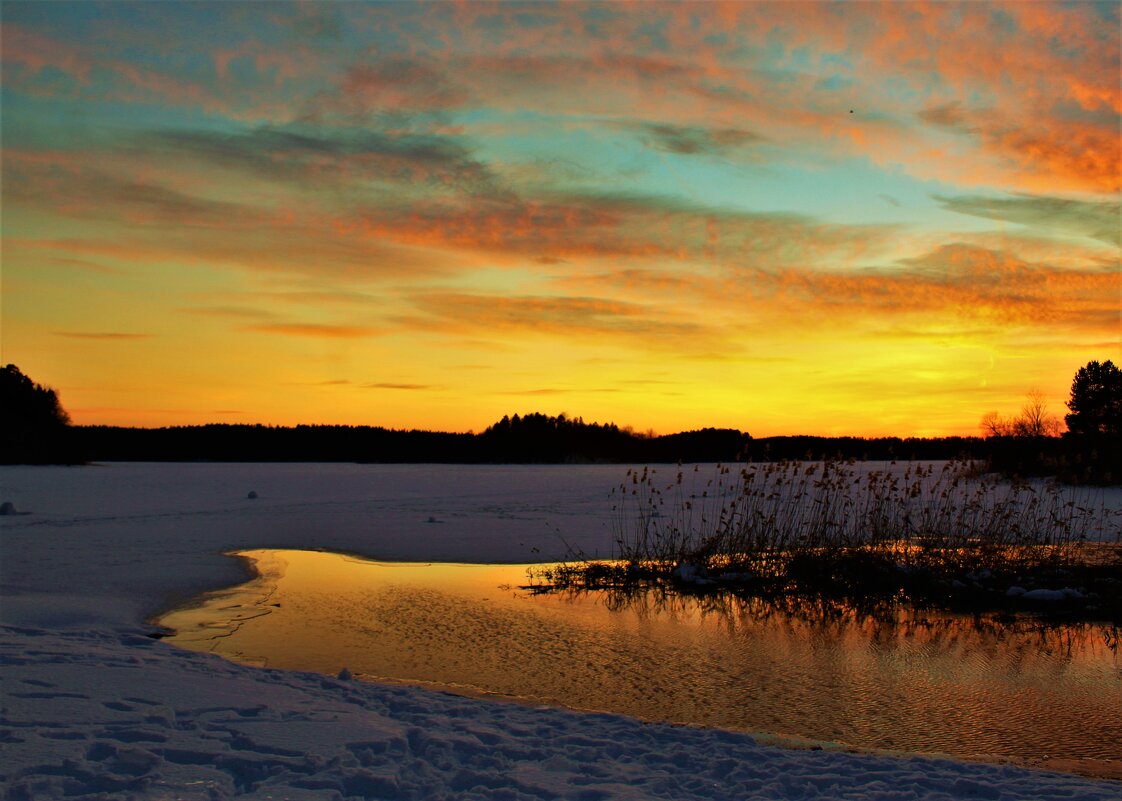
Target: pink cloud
(35,53)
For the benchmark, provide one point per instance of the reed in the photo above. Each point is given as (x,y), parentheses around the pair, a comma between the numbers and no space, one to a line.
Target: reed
(912,530)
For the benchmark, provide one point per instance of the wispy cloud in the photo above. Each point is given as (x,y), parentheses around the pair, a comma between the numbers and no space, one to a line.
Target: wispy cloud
(960,283)
(330,155)
(558,391)
(149,222)
(231,312)
(1095,219)
(693,141)
(552,316)
(319,330)
(102,335)
(405,387)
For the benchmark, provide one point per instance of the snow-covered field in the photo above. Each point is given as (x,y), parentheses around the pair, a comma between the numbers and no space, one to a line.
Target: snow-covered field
(93,707)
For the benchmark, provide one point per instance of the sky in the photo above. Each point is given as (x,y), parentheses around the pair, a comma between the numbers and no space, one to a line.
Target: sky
(823,218)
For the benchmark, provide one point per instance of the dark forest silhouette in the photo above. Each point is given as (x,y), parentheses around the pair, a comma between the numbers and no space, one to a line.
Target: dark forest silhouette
(36,429)
(1089,452)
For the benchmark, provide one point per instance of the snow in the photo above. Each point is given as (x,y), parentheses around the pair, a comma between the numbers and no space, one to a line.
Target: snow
(94,707)
(689,573)
(1052,595)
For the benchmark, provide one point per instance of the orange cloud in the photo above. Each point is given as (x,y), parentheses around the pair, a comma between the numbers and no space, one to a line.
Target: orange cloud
(319,330)
(403,387)
(576,227)
(102,335)
(141,222)
(1018,65)
(633,324)
(959,283)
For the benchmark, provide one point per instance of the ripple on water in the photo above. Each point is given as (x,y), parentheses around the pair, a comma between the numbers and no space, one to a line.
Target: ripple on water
(917,682)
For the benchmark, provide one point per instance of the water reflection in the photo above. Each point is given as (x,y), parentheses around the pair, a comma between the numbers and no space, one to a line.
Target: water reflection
(884,679)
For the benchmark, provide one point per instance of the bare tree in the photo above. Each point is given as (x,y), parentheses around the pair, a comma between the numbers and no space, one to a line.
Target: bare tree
(994,425)
(1033,421)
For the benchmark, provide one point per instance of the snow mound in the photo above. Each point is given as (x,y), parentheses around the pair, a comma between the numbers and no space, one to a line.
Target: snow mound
(1053,595)
(1044,595)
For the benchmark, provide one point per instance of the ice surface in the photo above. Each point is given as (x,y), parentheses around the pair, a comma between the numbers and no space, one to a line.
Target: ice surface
(94,708)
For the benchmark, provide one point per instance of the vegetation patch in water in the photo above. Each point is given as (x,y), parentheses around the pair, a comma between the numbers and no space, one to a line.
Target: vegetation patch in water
(929,535)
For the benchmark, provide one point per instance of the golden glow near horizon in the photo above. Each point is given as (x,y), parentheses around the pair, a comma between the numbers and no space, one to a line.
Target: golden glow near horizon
(863,219)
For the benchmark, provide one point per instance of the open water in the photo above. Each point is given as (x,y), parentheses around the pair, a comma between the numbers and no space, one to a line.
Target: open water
(996,690)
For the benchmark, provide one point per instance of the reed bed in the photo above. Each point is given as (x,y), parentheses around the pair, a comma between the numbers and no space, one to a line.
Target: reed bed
(915,530)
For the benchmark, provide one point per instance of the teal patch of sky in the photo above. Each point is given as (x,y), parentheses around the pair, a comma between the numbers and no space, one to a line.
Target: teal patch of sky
(836,61)
(41,123)
(594,14)
(851,192)
(615,159)
(1109,12)
(44,122)
(100,24)
(502,27)
(1001,24)
(835,72)
(652,32)
(73,18)
(416,35)
(717,40)
(606,151)
(835,83)
(533,19)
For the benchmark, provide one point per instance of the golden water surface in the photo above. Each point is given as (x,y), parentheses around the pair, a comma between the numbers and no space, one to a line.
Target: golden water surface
(911,681)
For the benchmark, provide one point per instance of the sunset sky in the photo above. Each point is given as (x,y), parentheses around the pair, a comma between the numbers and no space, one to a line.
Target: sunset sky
(846,218)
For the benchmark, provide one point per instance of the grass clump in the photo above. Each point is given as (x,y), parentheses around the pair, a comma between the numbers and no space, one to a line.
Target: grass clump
(928,534)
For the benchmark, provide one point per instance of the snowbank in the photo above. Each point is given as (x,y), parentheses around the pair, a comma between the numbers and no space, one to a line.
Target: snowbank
(94,708)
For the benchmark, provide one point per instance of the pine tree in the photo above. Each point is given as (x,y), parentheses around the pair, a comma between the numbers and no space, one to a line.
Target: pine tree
(1096,400)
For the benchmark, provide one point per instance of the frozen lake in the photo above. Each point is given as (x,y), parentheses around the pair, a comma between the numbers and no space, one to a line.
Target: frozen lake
(94,706)
(918,682)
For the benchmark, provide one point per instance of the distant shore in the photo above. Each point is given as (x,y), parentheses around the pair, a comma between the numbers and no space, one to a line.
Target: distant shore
(534,442)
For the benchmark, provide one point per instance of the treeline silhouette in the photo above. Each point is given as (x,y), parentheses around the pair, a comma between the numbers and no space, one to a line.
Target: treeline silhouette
(35,429)
(528,439)
(768,449)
